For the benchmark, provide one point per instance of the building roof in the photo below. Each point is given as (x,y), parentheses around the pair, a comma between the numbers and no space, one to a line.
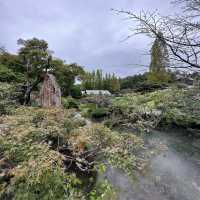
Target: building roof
(96,92)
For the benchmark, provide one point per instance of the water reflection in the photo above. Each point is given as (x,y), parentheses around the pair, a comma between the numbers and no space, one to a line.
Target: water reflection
(173,175)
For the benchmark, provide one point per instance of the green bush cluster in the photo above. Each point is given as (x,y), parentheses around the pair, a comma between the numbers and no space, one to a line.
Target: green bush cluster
(70,124)
(91,110)
(70,103)
(8,98)
(99,113)
(87,108)
(184,110)
(76,92)
(8,75)
(169,106)
(37,168)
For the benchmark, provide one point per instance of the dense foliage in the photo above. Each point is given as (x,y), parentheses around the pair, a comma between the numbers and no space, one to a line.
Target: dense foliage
(33,60)
(133,82)
(52,154)
(99,113)
(66,74)
(76,92)
(9,96)
(156,108)
(8,75)
(33,55)
(96,81)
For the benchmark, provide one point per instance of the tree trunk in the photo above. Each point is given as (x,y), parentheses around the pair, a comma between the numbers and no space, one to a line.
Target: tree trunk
(29,89)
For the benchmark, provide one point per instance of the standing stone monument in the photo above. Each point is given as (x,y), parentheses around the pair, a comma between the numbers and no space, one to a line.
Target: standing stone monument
(50,93)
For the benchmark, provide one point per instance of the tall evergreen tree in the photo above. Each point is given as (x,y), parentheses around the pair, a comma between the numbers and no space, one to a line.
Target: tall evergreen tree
(97,81)
(159,61)
(114,84)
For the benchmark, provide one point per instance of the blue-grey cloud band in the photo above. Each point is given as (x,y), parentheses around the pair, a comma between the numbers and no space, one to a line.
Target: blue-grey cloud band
(86,32)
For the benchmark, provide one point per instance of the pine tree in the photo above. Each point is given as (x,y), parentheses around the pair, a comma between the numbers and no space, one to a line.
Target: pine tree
(99,79)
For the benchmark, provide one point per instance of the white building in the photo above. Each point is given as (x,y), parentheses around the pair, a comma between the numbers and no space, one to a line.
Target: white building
(96,92)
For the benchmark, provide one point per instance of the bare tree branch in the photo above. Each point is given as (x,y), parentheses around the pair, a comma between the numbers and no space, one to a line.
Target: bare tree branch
(181,34)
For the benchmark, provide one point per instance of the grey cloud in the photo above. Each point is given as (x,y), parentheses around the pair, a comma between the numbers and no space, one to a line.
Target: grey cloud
(82,31)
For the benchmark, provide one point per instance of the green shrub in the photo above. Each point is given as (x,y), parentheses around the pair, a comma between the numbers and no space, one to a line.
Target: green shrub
(103,191)
(3,109)
(76,92)
(70,103)
(99,113)
(6,107)
(37,155)
(68,126)
(73,103)
(86,109)
(8,75)
(8,98)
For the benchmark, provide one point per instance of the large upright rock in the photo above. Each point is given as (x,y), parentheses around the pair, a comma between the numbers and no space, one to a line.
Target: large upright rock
(50,93)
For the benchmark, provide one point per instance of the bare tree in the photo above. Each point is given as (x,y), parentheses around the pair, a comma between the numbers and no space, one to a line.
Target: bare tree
(181,34)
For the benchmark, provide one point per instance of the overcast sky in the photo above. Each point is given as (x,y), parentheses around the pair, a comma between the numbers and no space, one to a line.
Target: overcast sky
(83,31)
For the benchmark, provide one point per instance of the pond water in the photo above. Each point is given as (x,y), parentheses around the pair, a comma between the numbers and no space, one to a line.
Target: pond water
(172,175)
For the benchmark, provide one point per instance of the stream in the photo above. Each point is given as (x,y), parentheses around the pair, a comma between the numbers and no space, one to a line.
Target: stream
(172,175)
